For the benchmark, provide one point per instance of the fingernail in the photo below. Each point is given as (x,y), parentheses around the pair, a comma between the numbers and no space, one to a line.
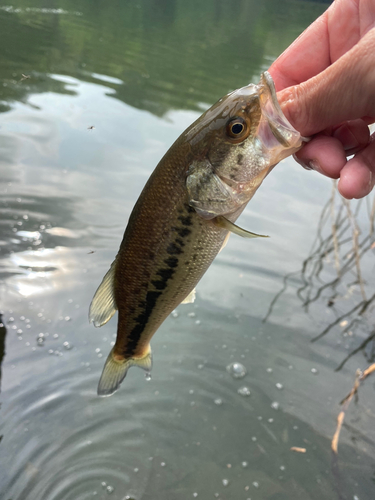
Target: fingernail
(314,165)
(303,164)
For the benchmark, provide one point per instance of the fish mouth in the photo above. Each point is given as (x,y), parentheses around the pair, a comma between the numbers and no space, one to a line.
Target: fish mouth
(279,126)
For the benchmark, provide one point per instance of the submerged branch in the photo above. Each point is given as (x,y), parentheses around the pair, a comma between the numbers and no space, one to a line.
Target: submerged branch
(360,377)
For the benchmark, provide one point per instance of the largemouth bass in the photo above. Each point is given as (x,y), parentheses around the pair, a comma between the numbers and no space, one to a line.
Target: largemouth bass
(184,215)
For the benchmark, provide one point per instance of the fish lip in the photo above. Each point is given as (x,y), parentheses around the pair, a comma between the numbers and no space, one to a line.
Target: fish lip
(279,125)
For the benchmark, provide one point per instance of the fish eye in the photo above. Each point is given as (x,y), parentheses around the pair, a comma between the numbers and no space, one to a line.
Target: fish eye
(237,128)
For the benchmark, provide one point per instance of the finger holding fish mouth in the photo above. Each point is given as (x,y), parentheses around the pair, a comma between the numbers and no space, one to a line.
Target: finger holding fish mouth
(327,154)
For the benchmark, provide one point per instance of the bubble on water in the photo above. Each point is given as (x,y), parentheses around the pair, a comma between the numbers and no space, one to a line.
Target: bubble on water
(104,484)
(270,420)
(174,314)
(40,339)
(50,351)
(275,405)
(279,386)
(282,467)
(110,489)
(244,464)
(225,482)
(67,318)
(11,319)
(67,346)
(253,438)
(218,401)
(236,370)
(198,322)
(162,464)
(244,391)
(269,370)
(22,318)
(55,335)
(314,371)
(148,376)
(191,391)
(195,495)
(355,497)
(19,331)
(200,367)
(97,350)
(256,484)
(136,470)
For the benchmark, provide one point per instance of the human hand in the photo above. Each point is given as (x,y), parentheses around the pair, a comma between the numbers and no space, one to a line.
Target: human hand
(326,80)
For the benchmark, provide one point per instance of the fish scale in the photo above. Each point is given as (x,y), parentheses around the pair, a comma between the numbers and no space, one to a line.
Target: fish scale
(183,217)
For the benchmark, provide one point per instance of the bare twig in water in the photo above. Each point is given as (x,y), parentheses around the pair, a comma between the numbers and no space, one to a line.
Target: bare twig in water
(360,377)
(334,232)
(340,243)
(355,232)
(24,77)
(359,348)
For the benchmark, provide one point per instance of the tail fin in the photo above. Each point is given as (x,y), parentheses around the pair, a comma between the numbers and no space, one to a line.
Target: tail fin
(115,371)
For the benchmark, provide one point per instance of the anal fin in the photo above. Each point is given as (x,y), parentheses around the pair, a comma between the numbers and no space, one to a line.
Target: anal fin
(189,299)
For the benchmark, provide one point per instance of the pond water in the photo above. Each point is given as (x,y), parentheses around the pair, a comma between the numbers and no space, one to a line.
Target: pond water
(92,94)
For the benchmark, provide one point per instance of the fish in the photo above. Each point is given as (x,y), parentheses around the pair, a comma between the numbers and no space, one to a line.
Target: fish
(183,218)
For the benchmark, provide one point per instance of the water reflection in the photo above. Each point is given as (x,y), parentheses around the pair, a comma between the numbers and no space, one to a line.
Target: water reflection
(207,49)
(66,194)
(335,273)
(3,332)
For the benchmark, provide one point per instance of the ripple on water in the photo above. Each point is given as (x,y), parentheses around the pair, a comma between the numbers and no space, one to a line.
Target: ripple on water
(64,441)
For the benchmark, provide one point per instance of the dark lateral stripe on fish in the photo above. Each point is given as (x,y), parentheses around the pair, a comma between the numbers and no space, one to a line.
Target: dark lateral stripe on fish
(150,302)
(172,261)
(173,249)
(142,319)
(183,231)
(186,221)
(165,274)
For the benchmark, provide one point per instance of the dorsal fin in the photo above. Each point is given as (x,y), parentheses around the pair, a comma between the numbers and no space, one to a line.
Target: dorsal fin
(103,305)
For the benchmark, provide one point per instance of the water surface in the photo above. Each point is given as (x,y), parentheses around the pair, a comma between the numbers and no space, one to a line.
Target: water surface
(92,94)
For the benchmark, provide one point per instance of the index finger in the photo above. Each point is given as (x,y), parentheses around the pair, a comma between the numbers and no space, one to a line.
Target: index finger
(307,56)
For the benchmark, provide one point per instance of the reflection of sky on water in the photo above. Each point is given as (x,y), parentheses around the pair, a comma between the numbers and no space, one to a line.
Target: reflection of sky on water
(68,192)
(92,167)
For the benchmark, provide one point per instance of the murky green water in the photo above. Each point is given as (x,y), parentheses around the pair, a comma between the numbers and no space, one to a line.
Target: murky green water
(139,73)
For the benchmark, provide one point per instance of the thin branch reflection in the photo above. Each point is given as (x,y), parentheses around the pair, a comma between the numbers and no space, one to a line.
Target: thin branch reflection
(335,272)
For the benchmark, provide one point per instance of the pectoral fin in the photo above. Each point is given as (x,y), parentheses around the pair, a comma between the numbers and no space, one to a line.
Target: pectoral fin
(103,305)
(224,223)
(224,242)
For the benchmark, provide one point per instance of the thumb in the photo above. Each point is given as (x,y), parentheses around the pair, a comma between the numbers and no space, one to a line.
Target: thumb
(343,91)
